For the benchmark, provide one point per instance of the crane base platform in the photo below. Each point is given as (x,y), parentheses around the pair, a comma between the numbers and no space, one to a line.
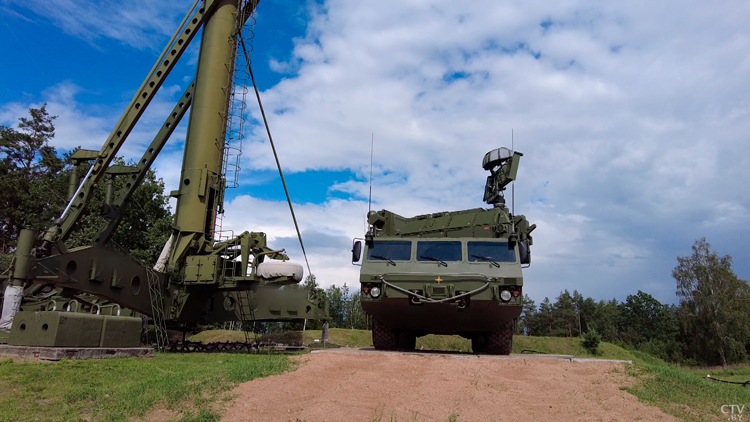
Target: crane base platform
(74,330)
(59,353)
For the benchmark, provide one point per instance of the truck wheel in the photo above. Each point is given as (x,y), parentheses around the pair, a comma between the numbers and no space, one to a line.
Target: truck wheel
(479,343)
(407,340)
(383,336)
(500,342)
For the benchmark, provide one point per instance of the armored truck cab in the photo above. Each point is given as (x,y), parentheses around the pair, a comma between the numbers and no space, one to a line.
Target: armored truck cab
(447,273)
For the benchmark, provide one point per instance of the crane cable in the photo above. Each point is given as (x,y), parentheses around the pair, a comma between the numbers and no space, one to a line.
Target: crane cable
(275,155)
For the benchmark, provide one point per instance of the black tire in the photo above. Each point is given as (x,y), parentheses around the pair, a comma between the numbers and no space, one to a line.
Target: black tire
(479,343)
(407,340)
(500,342)
(383,336)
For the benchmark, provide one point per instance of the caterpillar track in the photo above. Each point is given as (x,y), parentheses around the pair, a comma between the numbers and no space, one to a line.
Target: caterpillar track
(176,346)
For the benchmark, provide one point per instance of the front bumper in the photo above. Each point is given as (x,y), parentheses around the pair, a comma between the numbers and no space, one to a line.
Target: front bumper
(453,305)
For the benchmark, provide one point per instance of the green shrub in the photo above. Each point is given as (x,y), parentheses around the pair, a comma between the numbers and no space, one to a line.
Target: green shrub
(620,343)
(689,362)
(667,350)
(591,340)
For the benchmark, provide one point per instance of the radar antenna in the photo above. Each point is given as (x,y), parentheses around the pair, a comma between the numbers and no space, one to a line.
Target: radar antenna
(502,163)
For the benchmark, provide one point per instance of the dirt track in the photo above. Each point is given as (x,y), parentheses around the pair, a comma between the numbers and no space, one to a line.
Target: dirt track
(353,385)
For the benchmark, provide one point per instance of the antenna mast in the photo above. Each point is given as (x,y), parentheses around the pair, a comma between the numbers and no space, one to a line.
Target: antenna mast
(369,200)
(512,185)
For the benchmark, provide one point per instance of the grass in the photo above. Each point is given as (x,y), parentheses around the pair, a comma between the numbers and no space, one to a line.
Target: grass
(685,392)
(126,389)
(344,337)
(363,338)
(736,373)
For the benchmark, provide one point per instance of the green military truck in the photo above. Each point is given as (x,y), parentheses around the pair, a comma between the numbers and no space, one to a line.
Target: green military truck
(448,273)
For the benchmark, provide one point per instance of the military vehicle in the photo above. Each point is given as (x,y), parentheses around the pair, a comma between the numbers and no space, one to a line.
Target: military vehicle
(453,272)
(205,273)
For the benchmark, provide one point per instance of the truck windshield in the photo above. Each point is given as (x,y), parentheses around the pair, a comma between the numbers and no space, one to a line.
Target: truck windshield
(490,252)
(389,250)
(438,251)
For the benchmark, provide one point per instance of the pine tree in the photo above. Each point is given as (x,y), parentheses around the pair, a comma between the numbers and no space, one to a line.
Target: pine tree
(31,177)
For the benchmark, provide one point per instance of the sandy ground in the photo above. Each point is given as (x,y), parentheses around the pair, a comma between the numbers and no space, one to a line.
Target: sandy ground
(355,385)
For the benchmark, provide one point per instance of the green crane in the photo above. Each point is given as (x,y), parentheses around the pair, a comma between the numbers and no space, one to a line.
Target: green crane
(201,276)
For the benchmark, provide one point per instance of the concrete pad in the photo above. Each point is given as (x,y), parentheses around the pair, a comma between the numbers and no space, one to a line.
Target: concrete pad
(466,355)
(58,353)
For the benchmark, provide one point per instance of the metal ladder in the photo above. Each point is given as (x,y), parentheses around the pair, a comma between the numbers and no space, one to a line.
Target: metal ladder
(157,311)
(242,299)
(246,315)
(236,97)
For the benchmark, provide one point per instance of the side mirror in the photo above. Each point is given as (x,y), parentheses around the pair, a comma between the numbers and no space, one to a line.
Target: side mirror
(357,248)
(524,252)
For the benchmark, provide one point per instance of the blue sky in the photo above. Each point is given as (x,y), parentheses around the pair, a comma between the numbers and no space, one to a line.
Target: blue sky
(633,119)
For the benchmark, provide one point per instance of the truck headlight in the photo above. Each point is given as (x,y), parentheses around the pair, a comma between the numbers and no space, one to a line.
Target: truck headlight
(375,292)
(505,295)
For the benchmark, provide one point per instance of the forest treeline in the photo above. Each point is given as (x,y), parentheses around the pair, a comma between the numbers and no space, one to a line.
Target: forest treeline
(710,324)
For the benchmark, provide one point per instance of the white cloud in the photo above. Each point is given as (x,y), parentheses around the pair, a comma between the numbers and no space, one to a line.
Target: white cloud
(326,229)
(632,117)
(88,125)
(73,126)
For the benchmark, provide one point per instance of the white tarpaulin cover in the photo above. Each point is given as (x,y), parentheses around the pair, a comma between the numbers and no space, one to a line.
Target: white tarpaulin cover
(273,269)
(11,304)
(161,263)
